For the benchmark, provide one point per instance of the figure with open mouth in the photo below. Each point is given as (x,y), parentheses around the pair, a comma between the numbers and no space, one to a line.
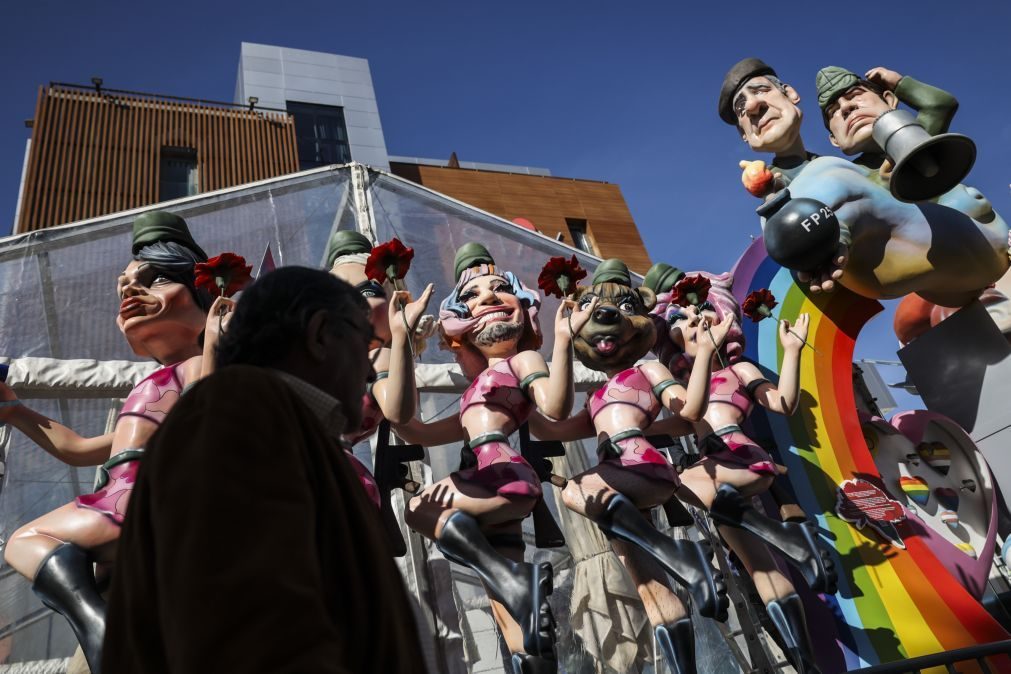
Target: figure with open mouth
(162,315)
(474,515)
(392,393)
(632,477)
(734,468)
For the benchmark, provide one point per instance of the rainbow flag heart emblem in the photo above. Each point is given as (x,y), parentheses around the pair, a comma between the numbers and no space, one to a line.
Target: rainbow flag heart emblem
(915,488)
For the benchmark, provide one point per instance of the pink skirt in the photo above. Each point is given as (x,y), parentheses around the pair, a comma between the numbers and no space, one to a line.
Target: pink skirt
(730,445)
(500,468)
(119,474)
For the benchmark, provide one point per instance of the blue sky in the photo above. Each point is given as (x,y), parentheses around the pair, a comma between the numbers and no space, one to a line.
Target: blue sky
(623,92)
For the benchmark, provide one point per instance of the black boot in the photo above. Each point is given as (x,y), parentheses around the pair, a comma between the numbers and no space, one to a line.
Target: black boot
(787,614)
(687,561)
(522,588)
(66,584)
(797,541)
(529,664)
(677,643)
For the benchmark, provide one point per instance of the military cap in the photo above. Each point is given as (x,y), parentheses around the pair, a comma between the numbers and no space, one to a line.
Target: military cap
(661,277)
(741,72)
(162,226)
(470,255)
(346,242)
(832,82)
(612,271)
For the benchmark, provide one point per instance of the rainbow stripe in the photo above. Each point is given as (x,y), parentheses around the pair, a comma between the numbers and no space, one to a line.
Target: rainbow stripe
(889,607)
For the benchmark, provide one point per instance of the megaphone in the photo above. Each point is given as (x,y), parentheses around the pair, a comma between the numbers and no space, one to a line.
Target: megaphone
(925,166)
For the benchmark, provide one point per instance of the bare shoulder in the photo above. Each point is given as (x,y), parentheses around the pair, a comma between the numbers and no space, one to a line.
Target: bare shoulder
(528,362)
(655,372)
(747,371)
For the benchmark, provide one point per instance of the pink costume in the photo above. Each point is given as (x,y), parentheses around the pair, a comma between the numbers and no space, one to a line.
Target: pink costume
(729,443)
(151,399)
(629,448)
(372,416)
(499,466)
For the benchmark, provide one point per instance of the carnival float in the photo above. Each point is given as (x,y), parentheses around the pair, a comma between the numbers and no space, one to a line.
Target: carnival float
(679,474)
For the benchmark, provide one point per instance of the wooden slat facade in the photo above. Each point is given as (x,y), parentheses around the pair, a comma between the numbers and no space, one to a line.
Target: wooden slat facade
(546,201)
(96,153)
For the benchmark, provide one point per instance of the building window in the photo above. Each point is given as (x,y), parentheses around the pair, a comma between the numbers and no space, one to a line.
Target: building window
(580,239)
(178,176)
(320,133)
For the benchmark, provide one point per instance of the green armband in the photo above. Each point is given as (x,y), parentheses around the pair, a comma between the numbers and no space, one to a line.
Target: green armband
(661,387)
(530,379)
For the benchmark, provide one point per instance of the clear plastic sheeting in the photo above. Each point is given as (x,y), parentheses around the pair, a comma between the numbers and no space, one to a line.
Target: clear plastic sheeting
(58,301)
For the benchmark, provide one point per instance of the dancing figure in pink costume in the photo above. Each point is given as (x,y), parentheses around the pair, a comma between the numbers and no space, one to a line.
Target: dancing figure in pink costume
(632,477)
(393,393)
(474,515)
(733,467)
(162,315)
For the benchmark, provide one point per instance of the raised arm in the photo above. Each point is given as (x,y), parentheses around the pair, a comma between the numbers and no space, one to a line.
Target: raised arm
(935,107)
(51,435)
(781,398)
(397,394)
(553,394)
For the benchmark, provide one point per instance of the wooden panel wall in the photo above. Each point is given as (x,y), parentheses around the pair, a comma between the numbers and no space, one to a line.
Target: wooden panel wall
(94,154)
(545,201)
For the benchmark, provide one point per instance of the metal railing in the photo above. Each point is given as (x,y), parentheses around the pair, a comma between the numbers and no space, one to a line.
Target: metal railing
(947,659)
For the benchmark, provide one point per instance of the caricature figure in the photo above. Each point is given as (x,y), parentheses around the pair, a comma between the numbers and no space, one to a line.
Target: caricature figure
(947,251)
(161,314)
(632,476)
(392,394)
(474,515)
(734,468)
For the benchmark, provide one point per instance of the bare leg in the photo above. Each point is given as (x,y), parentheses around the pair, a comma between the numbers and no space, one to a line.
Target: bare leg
(661,604)
(461,516)
(725,490)
(32,543)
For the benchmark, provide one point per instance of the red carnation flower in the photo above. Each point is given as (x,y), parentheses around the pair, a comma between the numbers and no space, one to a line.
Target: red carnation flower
(759,304)
(389,261)
(224,275)
(559,275)
(690,290)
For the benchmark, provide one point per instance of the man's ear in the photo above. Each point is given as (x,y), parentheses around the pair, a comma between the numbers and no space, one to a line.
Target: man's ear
(316,335)
(648,298)
(831,139)
(891,99)
(792,94)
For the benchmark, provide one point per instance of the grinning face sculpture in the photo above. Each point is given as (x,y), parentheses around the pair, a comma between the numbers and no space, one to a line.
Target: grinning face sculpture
(156,312)
(620,331)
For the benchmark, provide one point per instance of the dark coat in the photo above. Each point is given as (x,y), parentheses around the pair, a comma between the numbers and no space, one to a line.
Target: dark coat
(250,546)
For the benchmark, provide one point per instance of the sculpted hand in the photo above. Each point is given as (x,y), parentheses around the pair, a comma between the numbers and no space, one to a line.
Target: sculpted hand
(218,318)
(825,278)
(400,319)
(719,331)
(793,339)
(883,77)
(570,319)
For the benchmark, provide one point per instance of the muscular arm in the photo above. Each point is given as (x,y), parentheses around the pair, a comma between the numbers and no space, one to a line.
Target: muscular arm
(576,427)
(397,393)
(935,107)
(672,425)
